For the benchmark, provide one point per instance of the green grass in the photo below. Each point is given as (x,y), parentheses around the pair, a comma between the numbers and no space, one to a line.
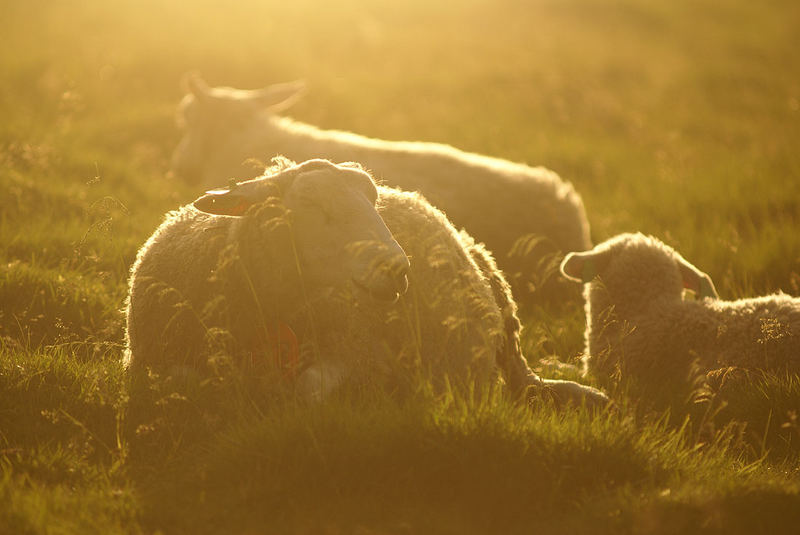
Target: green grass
(680,119)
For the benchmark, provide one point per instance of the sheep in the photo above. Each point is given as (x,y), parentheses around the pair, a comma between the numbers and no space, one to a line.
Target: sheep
(457,321)
(527,215)
(236,244)
(639,323)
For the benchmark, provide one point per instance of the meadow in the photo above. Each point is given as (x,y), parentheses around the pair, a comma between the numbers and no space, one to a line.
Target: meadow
(679,119)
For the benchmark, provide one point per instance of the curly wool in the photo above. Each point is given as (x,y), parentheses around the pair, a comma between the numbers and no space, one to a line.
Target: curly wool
(638,320)
(199,273)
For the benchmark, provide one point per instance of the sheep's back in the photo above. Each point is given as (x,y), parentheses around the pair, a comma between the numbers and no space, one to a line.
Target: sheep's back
(169,288)
(461,327)
(670,336)
(759,333)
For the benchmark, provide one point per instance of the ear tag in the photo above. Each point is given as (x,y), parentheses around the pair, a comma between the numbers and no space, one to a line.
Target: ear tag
(701,286)
(589,270)
(283,348)
(707,289)
(240,208)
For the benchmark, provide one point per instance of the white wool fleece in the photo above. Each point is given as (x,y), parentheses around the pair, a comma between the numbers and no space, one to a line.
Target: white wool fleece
(638,319)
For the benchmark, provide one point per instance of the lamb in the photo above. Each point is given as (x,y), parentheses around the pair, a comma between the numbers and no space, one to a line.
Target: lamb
(456,322)
(499,202)
(640,325)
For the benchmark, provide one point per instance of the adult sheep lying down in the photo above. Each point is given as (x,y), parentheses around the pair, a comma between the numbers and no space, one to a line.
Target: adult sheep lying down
(235,259)
(311,251)
(496,200)
(639,324)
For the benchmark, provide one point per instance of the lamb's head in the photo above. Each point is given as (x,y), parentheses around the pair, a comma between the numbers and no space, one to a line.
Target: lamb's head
(220,127)
(636,269)
(339,237)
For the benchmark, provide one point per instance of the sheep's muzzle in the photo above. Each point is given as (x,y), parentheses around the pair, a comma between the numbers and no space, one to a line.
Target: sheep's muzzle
(387,281)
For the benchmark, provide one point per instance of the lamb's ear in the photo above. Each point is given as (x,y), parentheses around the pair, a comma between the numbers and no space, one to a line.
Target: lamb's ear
(224,202)
(585,266)
(278,97)
(697,281)
(194,84)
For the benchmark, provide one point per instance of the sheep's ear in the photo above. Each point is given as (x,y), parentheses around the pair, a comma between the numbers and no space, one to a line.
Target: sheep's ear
(351,165)
(223,202)
(697,281)
(583,267)
(194,84)
(278,97)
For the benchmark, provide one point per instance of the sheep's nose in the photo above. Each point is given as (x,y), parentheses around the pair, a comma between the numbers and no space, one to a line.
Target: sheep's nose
(387,280)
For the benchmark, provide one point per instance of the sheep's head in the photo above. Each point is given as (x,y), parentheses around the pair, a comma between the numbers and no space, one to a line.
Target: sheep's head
(220,125)
(634,268)
(340,239)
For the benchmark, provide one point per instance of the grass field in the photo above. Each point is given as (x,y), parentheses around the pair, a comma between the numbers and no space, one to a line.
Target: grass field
(676,118)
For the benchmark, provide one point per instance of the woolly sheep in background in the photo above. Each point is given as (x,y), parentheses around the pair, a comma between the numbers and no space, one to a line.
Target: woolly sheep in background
(457,320)
(496,200)
(638,322)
